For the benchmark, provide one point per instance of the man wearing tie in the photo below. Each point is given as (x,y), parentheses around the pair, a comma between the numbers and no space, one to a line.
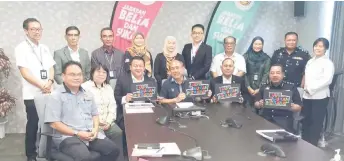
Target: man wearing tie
(197,55)
(72,52)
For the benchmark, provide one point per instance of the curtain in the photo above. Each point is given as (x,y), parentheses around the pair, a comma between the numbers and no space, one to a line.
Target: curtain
(336,55)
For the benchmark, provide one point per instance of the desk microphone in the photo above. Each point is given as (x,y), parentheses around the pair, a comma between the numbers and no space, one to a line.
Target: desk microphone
(193,153)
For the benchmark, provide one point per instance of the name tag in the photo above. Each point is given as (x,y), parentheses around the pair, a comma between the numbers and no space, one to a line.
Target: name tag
(297,58)
(126,60)
(112,74)
(44,74)
(255,77)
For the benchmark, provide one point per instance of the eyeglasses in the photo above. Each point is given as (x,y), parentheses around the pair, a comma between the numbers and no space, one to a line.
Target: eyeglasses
(36,29)
(72,35)
(197,33)
(75,75)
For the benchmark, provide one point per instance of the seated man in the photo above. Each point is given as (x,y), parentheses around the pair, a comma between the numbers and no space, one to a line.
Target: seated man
(174,88)
(123,91)
(227,77)
(281,117)
(73,114)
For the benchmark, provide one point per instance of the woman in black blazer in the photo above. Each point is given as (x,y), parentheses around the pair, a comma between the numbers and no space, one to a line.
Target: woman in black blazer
(162,60)
(138,48)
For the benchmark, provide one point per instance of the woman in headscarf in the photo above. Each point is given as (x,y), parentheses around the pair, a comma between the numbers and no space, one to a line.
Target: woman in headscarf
(257,65)
(138,48)
(164,59)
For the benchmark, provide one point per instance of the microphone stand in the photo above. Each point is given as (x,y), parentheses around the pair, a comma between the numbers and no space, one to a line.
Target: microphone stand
(196,152)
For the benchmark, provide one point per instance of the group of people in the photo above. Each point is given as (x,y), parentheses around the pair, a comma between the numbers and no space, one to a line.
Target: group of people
(86,107)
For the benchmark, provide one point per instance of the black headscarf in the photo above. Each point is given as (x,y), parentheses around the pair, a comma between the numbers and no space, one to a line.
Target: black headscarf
(256,57)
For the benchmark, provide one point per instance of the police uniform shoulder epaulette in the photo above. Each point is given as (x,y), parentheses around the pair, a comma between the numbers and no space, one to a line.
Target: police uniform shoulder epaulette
(302,49)
(288,84)
(279,50)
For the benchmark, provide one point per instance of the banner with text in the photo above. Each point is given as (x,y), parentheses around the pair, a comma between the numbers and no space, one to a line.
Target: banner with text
(131,16)
(229,19)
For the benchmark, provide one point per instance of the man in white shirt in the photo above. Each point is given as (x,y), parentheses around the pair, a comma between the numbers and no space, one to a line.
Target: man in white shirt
(36,67)
(72,52)
(240,65)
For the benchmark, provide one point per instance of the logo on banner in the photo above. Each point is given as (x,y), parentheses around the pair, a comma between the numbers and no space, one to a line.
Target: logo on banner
(130,17)
(244,5)
(229,19)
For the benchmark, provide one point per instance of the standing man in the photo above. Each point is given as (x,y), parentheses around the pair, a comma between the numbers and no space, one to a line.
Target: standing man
(72,52)
(197,55)
(292,58)
(35,64)
(229,44)
(108,55)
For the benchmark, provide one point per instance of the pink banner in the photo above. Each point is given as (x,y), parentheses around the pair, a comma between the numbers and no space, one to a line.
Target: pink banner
(132,16)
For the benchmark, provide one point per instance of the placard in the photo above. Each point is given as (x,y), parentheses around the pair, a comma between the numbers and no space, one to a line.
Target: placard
(197,88)
(144,91)
(277,99)
(227,92)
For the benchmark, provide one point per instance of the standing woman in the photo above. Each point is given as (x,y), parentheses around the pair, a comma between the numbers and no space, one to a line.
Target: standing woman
(138,48)
(318,77)
(257,65)
(163,60)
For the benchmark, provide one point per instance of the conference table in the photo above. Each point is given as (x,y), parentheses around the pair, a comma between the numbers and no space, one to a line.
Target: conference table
(222,143)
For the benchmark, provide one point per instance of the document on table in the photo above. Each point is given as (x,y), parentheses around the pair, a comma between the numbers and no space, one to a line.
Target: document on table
(165,149)
(184,104)
(131,108)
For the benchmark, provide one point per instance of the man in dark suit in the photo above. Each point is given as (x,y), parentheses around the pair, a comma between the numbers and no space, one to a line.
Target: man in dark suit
(72,52)
(197,55)
(227,77)
(123,91)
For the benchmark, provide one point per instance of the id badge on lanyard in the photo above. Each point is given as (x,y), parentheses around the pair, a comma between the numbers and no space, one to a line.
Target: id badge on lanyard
(43,72)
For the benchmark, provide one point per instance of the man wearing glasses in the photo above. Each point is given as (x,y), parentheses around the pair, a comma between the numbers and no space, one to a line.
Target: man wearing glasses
(197,55)
(229,43)
(36,67)
(72,52)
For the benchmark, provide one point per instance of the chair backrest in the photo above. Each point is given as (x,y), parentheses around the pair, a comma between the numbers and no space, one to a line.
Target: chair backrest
(40,102)
(334,80)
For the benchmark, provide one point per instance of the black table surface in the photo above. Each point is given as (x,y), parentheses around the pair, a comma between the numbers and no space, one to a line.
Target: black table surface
(223,144)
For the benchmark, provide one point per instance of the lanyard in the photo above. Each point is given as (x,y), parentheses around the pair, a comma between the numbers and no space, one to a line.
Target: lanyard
(39,58)
(109,61)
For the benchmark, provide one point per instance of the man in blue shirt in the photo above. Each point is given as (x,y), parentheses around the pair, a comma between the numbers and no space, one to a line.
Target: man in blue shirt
(73,114)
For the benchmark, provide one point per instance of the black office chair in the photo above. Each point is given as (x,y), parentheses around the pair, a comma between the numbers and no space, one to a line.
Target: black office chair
(46,148)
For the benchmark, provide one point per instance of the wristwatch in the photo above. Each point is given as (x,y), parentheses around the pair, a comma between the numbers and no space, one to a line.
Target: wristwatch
(52,80)
(76,133)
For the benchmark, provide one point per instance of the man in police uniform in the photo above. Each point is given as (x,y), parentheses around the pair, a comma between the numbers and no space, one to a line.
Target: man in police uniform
(292,58)
(281,117)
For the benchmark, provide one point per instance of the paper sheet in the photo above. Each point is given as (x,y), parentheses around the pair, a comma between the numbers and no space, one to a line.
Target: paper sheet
(166,149)
(139,110)
(131,108)
(184,104)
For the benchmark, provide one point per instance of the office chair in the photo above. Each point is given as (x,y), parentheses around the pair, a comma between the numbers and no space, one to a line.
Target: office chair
(46,148)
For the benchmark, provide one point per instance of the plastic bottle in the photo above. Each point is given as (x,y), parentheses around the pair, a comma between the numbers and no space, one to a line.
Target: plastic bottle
(337,157)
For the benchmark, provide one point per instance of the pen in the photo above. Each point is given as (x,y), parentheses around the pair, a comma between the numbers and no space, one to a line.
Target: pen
(160,149)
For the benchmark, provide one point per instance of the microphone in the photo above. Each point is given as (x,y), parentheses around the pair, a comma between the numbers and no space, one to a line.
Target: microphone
(195,153)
